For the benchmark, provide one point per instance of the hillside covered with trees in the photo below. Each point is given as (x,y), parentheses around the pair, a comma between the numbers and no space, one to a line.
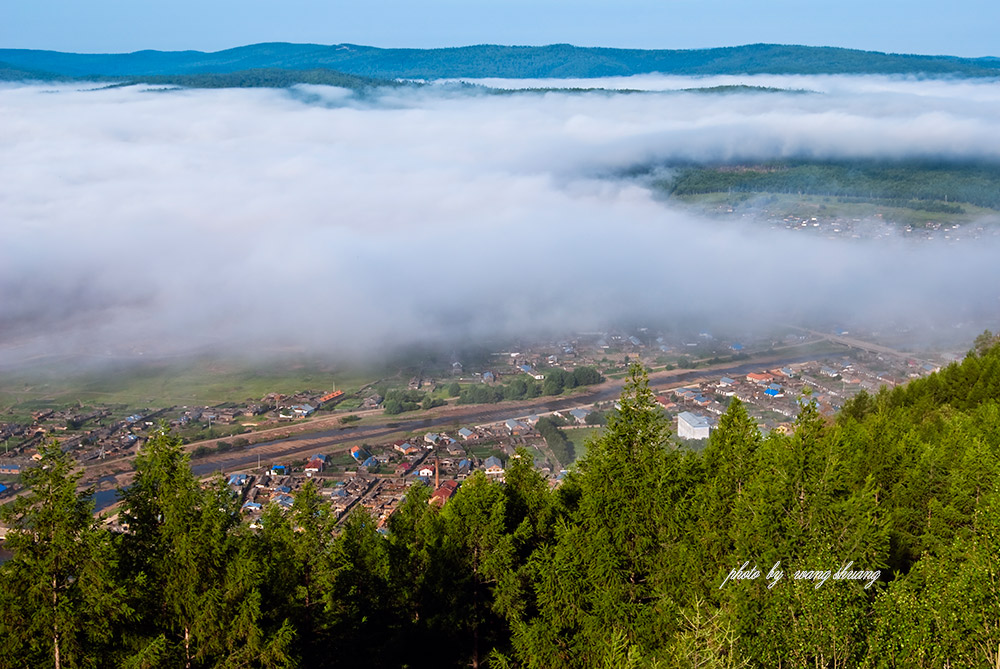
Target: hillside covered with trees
(629,563)
(487,60)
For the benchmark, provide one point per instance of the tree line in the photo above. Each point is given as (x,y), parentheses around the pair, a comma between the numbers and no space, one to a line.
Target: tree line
(625,564)
(554,382)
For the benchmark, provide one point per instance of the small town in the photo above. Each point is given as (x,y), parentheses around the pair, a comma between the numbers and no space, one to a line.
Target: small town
(376,473)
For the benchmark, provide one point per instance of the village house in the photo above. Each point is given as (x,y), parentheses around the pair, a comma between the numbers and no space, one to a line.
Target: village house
(440,496)
(315,466)
(405,447)
(493,468)
(9,468)
(665,402)
(515,427)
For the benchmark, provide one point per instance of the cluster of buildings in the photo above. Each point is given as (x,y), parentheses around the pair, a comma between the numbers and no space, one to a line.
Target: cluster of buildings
(774,396)
(377,476)
(875,226)
(97,433)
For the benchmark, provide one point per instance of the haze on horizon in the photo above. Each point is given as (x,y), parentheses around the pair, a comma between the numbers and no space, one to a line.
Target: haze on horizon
(148,220)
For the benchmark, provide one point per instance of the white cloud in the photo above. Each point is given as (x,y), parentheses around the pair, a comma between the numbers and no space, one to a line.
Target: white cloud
(171,219)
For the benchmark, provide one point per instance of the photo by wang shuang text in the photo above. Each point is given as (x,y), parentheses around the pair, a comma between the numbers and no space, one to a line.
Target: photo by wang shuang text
(845,573)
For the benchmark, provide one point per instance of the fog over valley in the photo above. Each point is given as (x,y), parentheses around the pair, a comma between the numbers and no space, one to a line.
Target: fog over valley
(138,219)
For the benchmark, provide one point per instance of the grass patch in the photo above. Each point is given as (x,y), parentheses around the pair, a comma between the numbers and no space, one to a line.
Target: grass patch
(165,384)
(485,450)
(581,436)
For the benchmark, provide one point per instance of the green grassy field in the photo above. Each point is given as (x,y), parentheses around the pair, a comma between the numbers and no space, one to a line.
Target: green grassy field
(197,382)
(581,436)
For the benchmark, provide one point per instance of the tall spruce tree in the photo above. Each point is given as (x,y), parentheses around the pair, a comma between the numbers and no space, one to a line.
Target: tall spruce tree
(617,567)
(58,604)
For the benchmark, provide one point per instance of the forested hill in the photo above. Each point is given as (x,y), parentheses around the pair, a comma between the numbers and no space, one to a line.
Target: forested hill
(557,60)
(868,540)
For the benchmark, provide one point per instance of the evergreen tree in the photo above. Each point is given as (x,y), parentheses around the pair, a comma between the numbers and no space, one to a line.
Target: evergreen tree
(616,569)
(59,603)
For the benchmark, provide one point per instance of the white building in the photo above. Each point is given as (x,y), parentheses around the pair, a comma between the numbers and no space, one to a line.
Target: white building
(692,426)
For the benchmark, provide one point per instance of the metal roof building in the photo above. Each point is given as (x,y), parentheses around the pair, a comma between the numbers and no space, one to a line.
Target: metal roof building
(692,426)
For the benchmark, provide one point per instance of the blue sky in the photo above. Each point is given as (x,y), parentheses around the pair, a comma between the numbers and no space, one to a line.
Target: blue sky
(960,27)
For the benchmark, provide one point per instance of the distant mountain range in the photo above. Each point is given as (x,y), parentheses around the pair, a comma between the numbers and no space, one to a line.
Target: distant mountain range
(281,64)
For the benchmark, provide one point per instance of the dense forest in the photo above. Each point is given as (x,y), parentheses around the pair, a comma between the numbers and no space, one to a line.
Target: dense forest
(253,78)
(488,60)
(928,186)
(633,561)
(265,78)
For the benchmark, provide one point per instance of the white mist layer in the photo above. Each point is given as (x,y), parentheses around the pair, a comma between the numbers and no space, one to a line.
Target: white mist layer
(312,218)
